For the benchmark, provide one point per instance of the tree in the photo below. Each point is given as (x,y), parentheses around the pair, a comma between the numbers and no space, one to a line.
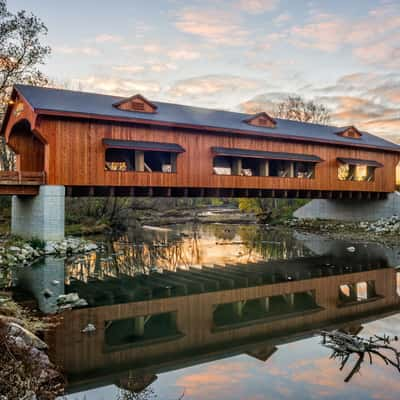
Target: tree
(21,52)
(298,109)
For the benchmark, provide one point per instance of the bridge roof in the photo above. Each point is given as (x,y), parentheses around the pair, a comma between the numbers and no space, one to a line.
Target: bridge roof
(92,105)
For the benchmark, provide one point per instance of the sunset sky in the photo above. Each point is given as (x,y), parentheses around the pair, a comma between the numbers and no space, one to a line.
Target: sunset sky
(233,54)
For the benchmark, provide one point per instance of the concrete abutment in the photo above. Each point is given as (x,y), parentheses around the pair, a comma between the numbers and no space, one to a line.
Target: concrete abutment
(350,210)
(41,216)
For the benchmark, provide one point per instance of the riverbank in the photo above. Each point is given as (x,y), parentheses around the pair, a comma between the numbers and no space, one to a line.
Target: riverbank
(385,231)
(27,372)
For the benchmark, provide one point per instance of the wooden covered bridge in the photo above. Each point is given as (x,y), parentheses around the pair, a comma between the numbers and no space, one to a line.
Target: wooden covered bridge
(98,145)
(86,144)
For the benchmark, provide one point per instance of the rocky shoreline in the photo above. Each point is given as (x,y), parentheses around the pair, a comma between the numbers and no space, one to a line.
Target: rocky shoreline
(16,251)
(385,230)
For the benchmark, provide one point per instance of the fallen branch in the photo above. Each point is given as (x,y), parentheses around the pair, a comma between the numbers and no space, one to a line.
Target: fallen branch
(343,345)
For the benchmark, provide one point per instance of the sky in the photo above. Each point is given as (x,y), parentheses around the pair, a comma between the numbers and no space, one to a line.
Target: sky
(239,55)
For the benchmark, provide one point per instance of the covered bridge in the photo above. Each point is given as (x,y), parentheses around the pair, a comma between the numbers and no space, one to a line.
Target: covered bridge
(100,145)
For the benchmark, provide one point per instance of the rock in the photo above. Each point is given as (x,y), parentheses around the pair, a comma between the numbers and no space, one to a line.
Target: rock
(55,282)
(50,248)
(14,249)
(29,396)
(17,331)
(90,247)
(68,298)
(351,249)
(89,328)
(81,303)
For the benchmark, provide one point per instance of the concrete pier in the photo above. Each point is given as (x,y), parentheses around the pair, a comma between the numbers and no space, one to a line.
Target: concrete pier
(350,210)
(40,216)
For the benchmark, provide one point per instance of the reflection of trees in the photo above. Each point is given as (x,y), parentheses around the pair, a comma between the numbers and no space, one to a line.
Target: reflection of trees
(140,251)
(271,245)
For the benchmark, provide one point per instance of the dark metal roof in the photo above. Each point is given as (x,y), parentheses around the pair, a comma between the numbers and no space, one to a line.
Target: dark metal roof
(267,155)
(144,146)
(356,161)
(92,105)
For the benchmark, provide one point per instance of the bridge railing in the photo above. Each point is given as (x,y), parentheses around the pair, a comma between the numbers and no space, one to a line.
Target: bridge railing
(22,178)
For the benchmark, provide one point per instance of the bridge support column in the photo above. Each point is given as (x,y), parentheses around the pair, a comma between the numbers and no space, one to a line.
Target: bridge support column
(41,216)
(350,210)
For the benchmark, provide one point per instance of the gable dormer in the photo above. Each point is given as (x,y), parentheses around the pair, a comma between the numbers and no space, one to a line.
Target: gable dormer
(350,132)
(136,103)
(261,119)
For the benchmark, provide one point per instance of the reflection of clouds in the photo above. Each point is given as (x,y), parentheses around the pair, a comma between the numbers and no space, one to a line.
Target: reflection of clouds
(214,380)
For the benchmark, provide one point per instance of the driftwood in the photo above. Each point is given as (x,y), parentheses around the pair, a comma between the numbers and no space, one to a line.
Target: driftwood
(343,345)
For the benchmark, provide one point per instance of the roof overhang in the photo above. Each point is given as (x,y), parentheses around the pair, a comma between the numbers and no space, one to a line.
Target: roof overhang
(356,161)
(266,155)
(143,146)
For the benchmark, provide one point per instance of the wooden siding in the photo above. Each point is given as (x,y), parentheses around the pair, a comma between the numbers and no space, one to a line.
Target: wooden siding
(77,158)
(79,353)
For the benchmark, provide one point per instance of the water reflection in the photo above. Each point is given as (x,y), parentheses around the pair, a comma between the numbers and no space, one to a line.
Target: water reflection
(166,300)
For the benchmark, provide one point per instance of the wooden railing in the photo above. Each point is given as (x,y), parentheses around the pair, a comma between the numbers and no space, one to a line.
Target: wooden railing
(22,178)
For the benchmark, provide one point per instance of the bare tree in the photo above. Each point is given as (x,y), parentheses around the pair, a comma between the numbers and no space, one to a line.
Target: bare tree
(298,109)
(21,52)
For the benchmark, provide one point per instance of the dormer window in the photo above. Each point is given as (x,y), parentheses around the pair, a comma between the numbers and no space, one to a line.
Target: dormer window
(350,132)
(136,103)
(261,119)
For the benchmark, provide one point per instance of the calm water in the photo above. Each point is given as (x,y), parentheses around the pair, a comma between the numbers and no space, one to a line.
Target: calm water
(219,312)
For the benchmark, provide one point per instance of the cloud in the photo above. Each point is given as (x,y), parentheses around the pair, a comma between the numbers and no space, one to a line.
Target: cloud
(107,38)
(161,66)
(377,31)
(118,86)
(151,48)
(213,85)
(257,6)
(326,33)
(371,101)
(183,54)
(282,18)
(133,69)
(87,51)
(380,54)
(216,26)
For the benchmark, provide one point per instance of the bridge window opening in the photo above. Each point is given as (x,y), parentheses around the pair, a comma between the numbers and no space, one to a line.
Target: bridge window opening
(136,160)
(356,172)
(159,161)
(222,165)
(356,292)
(281,168)
(119,160)
(246,311)
(147,327)
(304,170)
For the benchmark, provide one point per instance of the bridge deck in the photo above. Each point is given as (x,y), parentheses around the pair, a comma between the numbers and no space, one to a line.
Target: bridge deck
(21,183)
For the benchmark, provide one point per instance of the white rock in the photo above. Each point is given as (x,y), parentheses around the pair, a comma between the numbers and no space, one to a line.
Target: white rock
(50,248)
(89,328)
(68,298)
(351,249)
(90,247)
(29,338)
(55,282)
(14,249)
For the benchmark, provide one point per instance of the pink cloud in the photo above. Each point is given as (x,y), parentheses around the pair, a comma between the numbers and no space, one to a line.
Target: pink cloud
(217,26)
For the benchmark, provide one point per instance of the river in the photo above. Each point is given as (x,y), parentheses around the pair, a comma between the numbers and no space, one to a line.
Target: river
(218,312)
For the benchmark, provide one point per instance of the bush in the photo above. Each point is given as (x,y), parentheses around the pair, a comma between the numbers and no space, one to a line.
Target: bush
(37,244)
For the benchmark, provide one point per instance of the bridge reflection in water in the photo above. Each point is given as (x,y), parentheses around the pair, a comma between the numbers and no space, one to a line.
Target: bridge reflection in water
(161,321)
